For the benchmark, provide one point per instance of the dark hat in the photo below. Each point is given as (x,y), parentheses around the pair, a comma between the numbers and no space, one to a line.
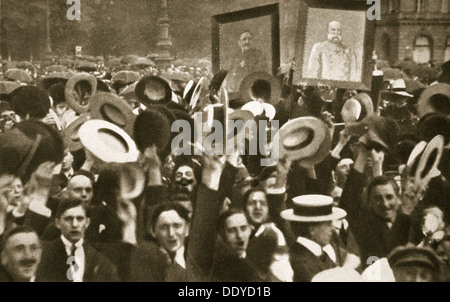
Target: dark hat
(435,98)
(30,100)
(153,90)
(27,145)
(412,255)
(113,109)
(433,124)
(88,84)
(217,81)
(382,132)
(153,126)
(445,74)
(260,85)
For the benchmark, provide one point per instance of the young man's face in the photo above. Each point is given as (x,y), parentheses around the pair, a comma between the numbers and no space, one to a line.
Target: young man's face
(73,224)
(384,202)
(171,230)
(237,232)
(257,208)
(67,161)
(21,256)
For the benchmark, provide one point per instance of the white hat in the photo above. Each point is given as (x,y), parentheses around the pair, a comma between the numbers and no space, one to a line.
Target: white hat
(313,208)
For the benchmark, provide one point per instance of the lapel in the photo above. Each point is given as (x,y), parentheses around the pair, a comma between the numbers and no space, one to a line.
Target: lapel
(92,264)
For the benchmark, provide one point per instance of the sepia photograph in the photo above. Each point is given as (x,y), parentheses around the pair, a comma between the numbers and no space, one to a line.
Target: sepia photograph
(231,148)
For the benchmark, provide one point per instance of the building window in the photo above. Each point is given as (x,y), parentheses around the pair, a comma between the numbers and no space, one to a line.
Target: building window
(447,50)
(420,5)
(422,49)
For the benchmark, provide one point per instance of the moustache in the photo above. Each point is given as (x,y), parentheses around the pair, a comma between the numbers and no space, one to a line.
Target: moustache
(185,181)
(332,37)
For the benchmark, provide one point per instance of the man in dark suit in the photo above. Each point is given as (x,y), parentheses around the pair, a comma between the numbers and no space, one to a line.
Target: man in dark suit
(311,221)
(69,258)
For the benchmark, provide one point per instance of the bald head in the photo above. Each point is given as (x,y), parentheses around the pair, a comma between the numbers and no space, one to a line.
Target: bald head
(80,187)
(335,31)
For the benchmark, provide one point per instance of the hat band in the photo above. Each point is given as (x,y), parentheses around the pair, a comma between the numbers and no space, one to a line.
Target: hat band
(313,211)
(398,89)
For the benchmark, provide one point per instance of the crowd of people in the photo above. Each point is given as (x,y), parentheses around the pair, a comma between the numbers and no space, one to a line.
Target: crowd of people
(92,187)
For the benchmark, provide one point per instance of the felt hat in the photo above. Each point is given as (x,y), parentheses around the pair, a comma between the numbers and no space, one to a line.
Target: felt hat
(153,90)
(433,124)
(304,138)
(153,126)
(313,208)
(79,90)
(445,73)
(113,109)
(217,81)
(30,100)
(381,133)
(108,142)
(260,85)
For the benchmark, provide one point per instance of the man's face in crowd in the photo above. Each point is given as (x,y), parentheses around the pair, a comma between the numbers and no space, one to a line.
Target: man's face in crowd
(171,230)
(413,273)
(335,32)
(80,187)
(257,208)
(185,179)
(17,193)
(384,202)
(21,256)
(342,171)
(61,108)
(73,224)
(67,161)
(321,232)
(245,40)
(237,232)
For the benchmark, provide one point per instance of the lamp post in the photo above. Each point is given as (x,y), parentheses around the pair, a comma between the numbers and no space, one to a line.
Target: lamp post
(48,47)
(164,45)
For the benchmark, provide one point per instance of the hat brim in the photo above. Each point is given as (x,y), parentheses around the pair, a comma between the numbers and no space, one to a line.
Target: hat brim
(113,109)
(70,92)
(93,140)
(319,135)
(423,106)
(388,94)
(337,213)
(71,136)
(144,99)
(246,84)
(435,145)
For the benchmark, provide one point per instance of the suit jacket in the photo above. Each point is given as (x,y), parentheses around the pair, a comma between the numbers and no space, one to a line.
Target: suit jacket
(53,267)
(305,264)
(371,232)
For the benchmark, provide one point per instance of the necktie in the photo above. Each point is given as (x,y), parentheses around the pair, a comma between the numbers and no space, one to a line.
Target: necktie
(327,260)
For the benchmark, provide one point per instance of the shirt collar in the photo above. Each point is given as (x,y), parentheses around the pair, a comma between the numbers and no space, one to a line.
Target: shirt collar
(314,247)
(69,244)
(179,256)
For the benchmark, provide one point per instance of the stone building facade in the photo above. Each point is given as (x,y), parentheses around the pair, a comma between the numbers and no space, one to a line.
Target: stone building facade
(415,29)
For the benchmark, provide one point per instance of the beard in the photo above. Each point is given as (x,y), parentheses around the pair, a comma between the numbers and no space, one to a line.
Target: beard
(334,38)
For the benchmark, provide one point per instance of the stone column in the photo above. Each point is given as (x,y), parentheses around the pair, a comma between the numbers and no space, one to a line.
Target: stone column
(164,45)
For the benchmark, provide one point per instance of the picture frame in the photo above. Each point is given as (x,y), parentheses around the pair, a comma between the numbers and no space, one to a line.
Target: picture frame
(227,29)
(344,62)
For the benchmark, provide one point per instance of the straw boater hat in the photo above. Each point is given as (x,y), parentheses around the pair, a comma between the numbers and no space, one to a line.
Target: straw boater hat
(108,142)
(113,109)
(396,88)
(72,94)
(307,139)
(313,208)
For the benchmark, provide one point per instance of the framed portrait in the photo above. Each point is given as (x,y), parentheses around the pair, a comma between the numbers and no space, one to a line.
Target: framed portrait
(246,41)
(334,44)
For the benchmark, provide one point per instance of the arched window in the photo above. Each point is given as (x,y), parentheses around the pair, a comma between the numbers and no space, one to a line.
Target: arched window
(422,50)
(447,50)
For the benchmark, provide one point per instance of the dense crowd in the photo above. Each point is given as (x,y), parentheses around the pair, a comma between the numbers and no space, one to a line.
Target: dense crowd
(353,185)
